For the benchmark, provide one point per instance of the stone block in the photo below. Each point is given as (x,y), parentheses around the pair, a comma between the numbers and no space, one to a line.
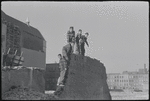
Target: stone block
(23,77)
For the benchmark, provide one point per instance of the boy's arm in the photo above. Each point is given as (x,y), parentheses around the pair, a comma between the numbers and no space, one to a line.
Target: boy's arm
(86,43)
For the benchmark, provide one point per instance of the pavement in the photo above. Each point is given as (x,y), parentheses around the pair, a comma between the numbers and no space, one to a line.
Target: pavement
(129,95)
(50,92)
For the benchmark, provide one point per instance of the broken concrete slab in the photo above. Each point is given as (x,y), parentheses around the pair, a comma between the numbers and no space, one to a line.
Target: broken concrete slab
(30,78)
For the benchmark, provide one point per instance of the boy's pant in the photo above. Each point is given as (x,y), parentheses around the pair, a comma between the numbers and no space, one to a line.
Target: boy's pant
(81,49)
(76,49)
(61,78)
(82,52)
(72,44)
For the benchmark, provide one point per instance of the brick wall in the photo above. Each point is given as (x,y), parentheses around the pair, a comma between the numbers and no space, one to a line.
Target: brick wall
(23,77)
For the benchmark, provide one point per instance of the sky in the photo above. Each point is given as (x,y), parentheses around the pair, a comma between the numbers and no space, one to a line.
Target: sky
(118,31)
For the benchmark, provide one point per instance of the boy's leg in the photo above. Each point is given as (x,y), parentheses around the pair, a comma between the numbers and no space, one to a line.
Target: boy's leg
(83,51)
(75,46)
(66,72)
(80,50)
(77,49)
(72,45)
(62,74)
(58,81)
(58,90)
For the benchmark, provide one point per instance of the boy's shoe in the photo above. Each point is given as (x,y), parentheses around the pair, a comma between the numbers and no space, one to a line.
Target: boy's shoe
(61,85)
(58,90)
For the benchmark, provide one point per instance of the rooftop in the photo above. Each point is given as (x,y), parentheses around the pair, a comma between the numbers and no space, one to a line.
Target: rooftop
(22,26)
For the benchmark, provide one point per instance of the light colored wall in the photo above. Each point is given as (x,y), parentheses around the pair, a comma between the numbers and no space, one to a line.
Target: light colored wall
(33,58)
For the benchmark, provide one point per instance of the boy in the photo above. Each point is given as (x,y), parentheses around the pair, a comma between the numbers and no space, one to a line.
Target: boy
(62,66)
(70,34)
(63,63)
(60,82)
(71,37)
(79,34)
(82,41)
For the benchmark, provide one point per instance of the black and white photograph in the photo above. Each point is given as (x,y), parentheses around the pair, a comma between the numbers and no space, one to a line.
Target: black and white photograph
(74,50)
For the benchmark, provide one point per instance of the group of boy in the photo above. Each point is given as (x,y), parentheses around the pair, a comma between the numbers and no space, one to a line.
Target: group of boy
(77,41)
(75,45)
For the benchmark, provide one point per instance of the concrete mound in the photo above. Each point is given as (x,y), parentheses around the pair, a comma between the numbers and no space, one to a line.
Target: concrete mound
(86,80)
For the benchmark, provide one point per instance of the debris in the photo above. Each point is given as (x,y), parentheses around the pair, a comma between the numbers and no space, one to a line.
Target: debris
(20,93)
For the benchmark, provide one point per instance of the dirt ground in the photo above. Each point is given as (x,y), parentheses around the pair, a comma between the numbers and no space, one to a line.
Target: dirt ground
(20,93)
(26,94)
(129,95)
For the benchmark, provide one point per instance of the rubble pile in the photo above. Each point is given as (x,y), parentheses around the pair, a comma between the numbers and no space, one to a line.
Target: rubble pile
(86,80)
(20,93)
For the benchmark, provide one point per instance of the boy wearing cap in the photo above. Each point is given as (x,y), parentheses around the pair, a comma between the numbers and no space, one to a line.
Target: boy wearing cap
(71,37)
(82,41)
(79,34)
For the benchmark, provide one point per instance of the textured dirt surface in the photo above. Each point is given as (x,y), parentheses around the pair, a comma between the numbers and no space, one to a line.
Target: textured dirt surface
(20,93)
(86,80)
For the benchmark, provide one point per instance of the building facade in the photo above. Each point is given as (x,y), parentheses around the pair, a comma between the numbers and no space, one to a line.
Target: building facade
(24,40)
(129,80)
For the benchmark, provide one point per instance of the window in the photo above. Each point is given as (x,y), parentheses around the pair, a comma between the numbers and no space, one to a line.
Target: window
(32,42)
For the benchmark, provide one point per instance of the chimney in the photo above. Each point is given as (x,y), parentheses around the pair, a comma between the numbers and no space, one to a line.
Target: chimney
(144,65)
(27,21)
(145,69)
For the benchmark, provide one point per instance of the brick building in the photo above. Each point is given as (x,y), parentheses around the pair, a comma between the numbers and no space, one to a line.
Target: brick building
(17,35)
(129,80)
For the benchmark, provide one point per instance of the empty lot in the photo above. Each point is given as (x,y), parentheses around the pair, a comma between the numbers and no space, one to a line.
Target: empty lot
(129,95)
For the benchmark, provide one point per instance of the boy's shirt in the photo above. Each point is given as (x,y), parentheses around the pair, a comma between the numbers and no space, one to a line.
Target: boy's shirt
(71,33)
(82,40)
(66,51)
(78,38)
(71,36)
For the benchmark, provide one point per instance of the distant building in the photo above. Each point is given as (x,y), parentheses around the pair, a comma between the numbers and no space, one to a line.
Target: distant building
(129,80)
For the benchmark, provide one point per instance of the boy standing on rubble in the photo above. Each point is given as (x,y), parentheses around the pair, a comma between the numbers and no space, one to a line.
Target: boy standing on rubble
(79,34)
(63,63)
(82,41)
(71,37)
(63,67)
